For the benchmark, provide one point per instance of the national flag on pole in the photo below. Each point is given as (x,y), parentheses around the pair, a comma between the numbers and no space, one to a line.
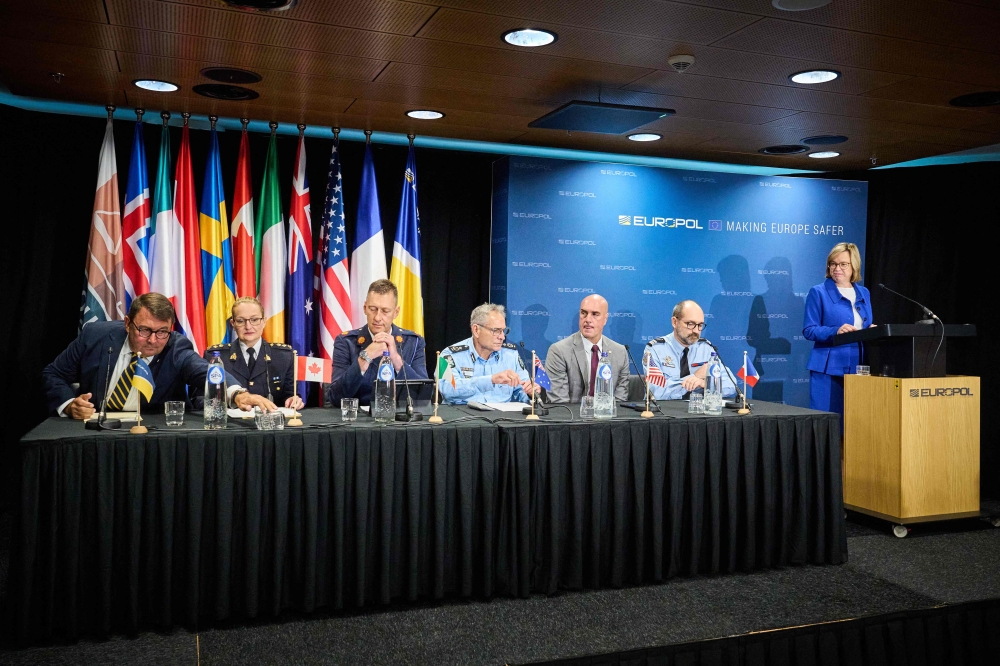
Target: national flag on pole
(445,370)
(136,222)
(748,373)
(269,247)
(244,263)
(311,369)
(216,249)
(191,313)
(166,239)
(655,376)
(103,291)
(368,258)
(541,377)
(335,277)
(143,379)
(300,268)
(405,272)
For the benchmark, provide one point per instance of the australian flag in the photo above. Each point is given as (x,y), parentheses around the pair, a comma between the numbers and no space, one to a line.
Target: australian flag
(542,377)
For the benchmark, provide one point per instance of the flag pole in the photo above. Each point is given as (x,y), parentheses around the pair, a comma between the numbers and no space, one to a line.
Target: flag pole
(138,428)
(437,370)
(744,409)
(532,416)
(647,414)
(295,421)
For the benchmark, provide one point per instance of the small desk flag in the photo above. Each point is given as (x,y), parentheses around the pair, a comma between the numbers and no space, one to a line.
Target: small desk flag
(311,369)
(748,373)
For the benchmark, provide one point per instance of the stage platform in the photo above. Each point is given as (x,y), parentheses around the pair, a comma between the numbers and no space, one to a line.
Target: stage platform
(925,580)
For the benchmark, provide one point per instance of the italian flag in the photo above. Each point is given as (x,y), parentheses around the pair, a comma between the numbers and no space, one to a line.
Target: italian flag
(269,243)
(444,370)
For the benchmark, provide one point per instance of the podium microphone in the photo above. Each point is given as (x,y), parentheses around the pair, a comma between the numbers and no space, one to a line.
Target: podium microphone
(929,316)
(102,422)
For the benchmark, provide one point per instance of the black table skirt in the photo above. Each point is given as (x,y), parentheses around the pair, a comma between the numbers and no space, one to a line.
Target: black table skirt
(118,532)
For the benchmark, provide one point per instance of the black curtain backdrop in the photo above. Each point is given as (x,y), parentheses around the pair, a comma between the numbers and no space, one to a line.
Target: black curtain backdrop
(927,237)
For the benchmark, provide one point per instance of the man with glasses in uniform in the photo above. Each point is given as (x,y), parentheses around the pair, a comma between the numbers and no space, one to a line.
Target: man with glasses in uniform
(485,368)
(265,368)
(681,356)
(102,358)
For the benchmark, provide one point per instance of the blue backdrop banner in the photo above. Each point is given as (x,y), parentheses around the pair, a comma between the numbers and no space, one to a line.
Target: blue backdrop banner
(746,248)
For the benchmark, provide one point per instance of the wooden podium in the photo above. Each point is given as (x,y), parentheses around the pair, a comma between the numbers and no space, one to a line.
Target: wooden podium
(911,447)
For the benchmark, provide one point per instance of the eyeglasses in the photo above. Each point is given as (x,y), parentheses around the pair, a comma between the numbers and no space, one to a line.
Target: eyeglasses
(253,321)
(844,265)
(144,332)
(497,332)
(694,325)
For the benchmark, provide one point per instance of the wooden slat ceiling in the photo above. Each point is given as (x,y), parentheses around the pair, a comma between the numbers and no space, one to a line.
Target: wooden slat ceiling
(364,63)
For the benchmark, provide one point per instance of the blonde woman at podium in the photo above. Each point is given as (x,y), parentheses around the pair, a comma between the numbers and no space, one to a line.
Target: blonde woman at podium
(838,305)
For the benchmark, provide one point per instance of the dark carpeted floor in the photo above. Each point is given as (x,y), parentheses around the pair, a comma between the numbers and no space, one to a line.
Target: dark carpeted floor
(939,563)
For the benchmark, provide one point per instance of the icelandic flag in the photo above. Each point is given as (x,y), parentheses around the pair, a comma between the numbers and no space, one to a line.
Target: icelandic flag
(269,246)
(191,313)
(136,222)
(368,258)
(334,285)
(244,264)
(143,381)
(103,291)
(300,268)
(216,250)
(405,272)
(748,373)
(542,377)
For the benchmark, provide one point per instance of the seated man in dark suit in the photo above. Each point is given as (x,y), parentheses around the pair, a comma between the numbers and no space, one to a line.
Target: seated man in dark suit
(147,330)
(357,353)
(265,368)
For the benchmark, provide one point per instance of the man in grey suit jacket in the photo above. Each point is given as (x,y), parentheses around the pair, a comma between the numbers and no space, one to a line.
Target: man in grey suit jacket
(572,362)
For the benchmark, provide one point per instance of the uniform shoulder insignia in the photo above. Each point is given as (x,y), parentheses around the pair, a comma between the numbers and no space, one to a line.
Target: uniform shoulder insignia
(458,348)
(280,345)
(510,345)
(219,346)
(361,339)
(399,338)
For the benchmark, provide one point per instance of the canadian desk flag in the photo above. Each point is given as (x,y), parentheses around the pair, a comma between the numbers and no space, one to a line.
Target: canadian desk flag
(311,369)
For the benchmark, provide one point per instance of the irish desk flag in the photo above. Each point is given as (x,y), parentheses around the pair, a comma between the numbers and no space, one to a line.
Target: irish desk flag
(103,291)
(445,370)
(136,222)
(269,245)
(368,258)
(216,251)
(406,253)
(310,369)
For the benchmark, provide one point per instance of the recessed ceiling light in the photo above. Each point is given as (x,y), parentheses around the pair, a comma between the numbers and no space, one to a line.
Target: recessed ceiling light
(822,155)
(154,85)
(529,37)
(787,149)
(644,137)
(798,5)
(988,98)
(425,114)
(814,76)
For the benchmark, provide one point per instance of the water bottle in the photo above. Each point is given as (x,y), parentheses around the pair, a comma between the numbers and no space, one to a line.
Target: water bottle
(384,400)
(604,390)
(713,386)
(215,394)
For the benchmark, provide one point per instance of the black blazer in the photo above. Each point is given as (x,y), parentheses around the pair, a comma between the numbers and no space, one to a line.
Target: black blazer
(272,354)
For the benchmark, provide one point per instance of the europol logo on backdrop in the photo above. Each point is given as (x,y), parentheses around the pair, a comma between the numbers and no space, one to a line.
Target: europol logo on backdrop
(666,222)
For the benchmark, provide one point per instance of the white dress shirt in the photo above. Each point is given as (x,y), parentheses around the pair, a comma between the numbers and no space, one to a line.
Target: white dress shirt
(256,350)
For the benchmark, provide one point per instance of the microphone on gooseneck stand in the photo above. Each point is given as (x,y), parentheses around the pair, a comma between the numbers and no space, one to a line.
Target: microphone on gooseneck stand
(929,316)
(409,415)
(102,422)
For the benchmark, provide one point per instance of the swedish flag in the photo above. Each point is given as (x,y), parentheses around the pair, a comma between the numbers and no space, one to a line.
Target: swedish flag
(405,271)
(216,250)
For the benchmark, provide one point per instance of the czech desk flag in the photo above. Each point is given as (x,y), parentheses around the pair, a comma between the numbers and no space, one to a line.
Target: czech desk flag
(368,258)
(405,272)
(216,250)
(311,369)
(143,379)
(136,222)
(748,373)
(542,377)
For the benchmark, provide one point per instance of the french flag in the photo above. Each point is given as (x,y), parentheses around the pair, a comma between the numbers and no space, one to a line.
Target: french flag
(368,258)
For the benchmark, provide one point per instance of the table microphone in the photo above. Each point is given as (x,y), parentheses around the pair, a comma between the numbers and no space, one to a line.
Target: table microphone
(736,384)
(930,316)
(102,422)
(409,415)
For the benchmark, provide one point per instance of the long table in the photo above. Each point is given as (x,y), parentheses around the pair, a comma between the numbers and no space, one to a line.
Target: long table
(116,532)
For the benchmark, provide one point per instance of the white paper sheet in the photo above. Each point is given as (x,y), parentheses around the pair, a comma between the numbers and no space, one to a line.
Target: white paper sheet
(506,406)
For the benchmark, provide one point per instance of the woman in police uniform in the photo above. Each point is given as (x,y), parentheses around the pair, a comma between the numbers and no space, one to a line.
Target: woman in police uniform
(838,305)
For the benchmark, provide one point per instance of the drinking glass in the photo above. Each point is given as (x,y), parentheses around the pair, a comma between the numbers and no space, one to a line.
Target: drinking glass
(587,407)
(348,409)
(174,411)
(696,403)
(864,370)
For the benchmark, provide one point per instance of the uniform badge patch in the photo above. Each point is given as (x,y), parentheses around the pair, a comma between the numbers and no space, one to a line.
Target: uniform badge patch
(467,372)
(361,339)
(669,362)
(399,338)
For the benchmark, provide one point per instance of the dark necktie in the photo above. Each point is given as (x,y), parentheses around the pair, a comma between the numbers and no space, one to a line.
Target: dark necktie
(685,370)
(116,402)
(251,360)
(593,368)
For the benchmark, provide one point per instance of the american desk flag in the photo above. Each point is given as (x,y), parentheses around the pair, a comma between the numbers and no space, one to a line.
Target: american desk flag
(335,278)
(654,375)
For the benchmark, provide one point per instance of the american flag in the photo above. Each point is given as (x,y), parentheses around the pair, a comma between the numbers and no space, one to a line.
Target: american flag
(655,376)
(333,282)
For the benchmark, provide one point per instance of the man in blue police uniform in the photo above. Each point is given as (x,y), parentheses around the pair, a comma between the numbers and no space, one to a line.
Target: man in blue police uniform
(485,368)
(681,357)
(265,368)
(356,354)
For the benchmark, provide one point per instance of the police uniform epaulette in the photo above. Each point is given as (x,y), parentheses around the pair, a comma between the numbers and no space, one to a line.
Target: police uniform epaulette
(510,345)
(458,348)
(280,345)
(221,345)
(658,341)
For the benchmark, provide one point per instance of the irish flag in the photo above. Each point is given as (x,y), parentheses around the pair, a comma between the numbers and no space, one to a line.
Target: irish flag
(445,370)
(269,245)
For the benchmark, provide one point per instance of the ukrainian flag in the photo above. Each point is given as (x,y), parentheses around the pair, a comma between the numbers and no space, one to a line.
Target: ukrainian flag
(405,271)
(216,250)
(142,381)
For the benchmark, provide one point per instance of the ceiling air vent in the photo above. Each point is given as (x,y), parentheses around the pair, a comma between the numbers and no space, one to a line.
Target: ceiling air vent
(988,98)
(788,149)
(824,140)
(261,5)
(599,118)
(230,75)
(225,91)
